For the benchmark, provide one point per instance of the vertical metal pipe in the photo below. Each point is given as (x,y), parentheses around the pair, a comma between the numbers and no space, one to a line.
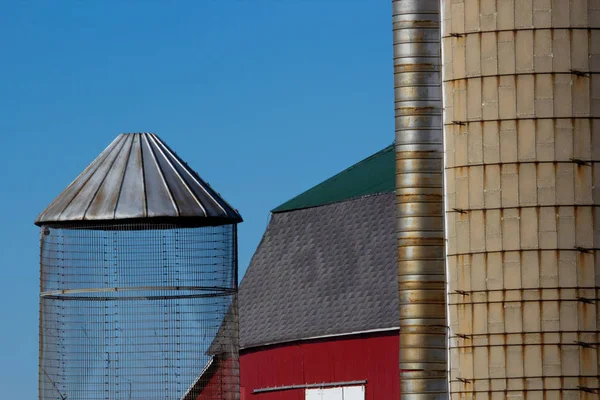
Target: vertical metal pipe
(420,211)
(522,135)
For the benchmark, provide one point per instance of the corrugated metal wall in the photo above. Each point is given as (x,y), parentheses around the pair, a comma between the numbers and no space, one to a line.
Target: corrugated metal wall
(420,213)
(522,101)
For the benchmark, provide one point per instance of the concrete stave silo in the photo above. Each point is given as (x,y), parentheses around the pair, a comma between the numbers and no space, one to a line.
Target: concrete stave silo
(522,136)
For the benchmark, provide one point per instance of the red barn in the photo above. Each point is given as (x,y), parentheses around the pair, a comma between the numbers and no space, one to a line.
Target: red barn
(319,302)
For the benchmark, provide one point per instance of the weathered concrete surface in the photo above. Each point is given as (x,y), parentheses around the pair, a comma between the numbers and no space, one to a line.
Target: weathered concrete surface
(522,136)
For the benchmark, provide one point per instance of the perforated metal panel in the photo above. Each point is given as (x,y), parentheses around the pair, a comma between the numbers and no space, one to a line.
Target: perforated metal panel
(138,311)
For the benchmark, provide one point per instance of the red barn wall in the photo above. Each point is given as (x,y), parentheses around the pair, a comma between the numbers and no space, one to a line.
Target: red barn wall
(219,382)
(372,357)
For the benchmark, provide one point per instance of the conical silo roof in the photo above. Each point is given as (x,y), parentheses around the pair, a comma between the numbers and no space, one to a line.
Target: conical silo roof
(138,178)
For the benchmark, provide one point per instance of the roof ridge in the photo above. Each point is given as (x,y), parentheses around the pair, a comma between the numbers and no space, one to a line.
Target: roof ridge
(364,160)
(339,201)
(303,200)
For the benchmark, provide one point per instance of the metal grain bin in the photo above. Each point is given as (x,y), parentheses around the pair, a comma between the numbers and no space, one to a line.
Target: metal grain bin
(521,97)
(138,275)
(419,199)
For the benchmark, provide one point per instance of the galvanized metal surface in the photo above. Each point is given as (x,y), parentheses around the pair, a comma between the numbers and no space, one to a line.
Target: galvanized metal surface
(420,212)
(138,177)
(137,313)
(522,101)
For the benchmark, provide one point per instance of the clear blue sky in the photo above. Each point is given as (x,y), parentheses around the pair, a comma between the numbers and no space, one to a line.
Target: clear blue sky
(263,98)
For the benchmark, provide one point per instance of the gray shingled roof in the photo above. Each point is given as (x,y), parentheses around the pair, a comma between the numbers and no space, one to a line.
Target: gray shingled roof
(325,270)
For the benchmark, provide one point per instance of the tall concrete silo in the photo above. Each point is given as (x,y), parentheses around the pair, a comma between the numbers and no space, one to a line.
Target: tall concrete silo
(420,212)
(522,101)
(138,276)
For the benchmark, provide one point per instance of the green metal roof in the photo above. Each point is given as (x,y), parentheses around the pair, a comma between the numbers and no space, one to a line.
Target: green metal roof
(373,175)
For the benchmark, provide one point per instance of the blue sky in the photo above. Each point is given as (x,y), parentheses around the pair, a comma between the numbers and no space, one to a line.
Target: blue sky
(263,98)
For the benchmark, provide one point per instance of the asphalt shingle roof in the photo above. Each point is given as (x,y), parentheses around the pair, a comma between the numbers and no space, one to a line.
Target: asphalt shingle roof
(323,270)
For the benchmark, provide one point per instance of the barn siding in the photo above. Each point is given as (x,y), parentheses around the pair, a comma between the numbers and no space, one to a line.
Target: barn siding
(219,382)
(371,357)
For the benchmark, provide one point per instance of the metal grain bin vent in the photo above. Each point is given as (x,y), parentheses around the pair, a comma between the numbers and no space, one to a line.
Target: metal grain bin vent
(138,276)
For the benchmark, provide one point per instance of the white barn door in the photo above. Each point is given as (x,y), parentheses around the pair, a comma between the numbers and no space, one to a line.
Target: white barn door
(339,393)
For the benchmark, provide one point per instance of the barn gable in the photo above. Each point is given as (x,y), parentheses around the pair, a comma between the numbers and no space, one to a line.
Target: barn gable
(327,263)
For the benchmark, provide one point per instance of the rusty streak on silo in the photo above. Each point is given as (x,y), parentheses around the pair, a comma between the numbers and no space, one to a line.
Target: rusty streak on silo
(522,101)
(420,213)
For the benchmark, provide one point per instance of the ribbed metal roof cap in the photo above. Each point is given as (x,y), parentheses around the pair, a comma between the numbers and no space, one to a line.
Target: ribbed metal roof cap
(138,178)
